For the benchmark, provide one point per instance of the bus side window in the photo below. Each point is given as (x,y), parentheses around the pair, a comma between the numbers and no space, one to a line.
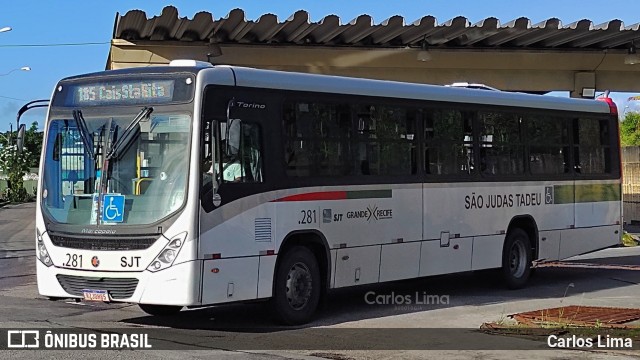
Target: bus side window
(449,142)
(592,149)
(385,140)
(501,143)
(316,139)
(548,144)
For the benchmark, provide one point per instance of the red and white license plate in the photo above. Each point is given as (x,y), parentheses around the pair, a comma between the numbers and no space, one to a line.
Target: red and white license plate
(95,295)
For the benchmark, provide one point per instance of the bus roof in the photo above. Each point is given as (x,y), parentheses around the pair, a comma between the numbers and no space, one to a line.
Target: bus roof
(272,79)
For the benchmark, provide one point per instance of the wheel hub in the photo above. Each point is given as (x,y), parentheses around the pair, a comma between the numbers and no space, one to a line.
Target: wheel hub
(517,259)
(299,286)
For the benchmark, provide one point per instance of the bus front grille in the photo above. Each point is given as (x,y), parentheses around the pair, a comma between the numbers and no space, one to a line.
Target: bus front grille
(118,288)
(102,243)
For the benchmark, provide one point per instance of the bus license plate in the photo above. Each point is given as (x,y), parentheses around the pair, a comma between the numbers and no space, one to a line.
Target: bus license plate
(95,295)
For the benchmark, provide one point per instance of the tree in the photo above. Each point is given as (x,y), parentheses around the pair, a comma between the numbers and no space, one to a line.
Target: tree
(32,143)
(630,129)
(15,165)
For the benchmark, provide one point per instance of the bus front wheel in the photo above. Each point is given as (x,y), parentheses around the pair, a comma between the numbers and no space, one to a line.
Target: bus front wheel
(296,291)
(516,259)
(160,310)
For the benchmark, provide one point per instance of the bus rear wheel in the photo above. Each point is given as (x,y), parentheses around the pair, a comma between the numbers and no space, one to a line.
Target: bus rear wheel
(516,259)
(296,292)
(160,310)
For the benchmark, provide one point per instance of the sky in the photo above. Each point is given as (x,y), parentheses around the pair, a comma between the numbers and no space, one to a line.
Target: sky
(59,38)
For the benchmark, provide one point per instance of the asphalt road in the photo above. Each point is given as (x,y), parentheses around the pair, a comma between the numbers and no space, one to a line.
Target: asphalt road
(465,302)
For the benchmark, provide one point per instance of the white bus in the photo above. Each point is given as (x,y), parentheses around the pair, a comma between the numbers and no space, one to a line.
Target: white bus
(192,185)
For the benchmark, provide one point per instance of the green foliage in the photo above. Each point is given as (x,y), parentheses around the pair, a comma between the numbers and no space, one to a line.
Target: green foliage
(15,165)
(628,240)
(32,143)
(630,129)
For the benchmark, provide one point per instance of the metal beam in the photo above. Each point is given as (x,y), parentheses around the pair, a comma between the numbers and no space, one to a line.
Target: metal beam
(522,70)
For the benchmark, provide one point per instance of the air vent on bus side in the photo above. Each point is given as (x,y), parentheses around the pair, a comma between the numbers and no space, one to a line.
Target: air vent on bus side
(263,229)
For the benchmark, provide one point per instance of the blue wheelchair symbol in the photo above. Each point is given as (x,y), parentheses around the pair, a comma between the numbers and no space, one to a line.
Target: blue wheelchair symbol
(113,208)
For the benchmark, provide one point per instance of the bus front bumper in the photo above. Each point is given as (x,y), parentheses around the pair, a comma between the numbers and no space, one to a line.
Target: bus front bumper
(176,285)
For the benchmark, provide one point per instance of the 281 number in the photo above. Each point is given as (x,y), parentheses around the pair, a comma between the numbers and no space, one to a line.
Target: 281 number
(73,260)
(308,217)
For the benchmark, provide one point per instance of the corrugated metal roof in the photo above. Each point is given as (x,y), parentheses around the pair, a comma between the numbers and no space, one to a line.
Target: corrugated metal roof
(298,29)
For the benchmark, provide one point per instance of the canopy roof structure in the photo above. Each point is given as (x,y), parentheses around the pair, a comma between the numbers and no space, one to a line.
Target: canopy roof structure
(514,55)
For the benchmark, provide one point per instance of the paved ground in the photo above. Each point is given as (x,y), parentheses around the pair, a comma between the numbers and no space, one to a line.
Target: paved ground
(17,244)
(471,300)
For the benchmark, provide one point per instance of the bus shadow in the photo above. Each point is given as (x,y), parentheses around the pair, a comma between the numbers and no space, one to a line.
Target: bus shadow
(412,296)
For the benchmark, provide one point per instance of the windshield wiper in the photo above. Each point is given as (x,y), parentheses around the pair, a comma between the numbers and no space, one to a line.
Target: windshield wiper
(128,133)
(84,132)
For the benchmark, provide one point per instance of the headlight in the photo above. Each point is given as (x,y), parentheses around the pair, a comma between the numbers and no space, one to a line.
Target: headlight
(168,254)
(42,254)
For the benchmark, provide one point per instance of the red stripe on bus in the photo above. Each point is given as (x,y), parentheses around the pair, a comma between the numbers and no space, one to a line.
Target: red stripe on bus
(326,195)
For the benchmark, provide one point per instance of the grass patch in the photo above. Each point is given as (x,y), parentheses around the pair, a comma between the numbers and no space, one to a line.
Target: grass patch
(628,240)
(526,331)
(565,322)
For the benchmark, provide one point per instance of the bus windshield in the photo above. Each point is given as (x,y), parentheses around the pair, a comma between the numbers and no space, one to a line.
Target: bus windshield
(98,172)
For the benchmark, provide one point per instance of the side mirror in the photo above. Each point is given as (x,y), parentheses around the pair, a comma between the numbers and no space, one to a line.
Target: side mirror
(57,147)
(20,138)
(214,145)
(234,130)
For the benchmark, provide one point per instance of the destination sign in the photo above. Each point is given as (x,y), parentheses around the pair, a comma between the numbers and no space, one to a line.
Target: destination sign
(130,92)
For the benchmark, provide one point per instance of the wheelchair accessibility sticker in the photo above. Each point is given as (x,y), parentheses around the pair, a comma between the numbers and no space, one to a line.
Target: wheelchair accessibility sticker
(113,208)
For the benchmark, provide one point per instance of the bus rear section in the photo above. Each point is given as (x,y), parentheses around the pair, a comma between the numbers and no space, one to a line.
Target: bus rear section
(359,188)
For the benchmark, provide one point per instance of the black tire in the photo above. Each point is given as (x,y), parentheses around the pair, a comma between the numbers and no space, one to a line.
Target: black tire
(296,305)
(160,310)
(516,259)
